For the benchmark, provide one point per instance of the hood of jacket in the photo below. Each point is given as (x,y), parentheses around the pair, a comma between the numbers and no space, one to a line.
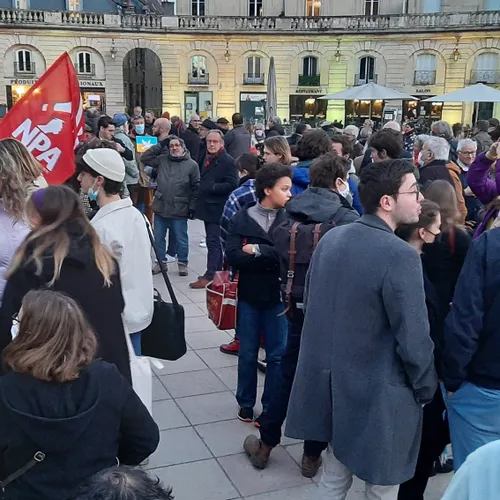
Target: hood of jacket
(316,205)
(52,415)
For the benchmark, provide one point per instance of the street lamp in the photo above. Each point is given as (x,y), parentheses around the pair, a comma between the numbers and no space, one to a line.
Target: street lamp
(113,50)
(227,54)
(338,54)
(456,51)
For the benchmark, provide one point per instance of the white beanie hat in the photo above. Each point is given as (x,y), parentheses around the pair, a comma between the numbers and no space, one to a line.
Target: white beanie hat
(106,162)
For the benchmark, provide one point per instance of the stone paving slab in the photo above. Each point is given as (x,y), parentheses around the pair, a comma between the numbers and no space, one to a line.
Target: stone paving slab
(200,452)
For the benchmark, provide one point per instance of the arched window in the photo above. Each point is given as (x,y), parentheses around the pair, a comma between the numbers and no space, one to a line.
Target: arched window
(366,70)
(255,72)
(24,62)
(425,69)
(84,64)
(310,74)
(198,72)
(487,68)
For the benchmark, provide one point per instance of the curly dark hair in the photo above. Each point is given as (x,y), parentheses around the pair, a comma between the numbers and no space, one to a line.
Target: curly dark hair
(313,144)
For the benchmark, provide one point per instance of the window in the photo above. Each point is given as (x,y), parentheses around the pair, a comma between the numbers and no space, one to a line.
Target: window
(313,7)
(366,70)
(254,64)
(310,66)
(84,63)
(432,6)
(493,5)
(21,4)
(198,69)
(371,7)
(74,5)
(487,68)
(24,63)
(425,69)
(255,8)
(198,8)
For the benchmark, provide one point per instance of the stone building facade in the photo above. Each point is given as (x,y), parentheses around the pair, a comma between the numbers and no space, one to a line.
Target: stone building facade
(212,56)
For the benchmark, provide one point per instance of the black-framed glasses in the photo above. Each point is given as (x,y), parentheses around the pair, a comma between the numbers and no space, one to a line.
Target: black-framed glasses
(433,234)
(468,153)
(415,192)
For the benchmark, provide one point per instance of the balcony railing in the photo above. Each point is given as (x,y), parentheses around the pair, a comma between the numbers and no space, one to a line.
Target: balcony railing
(309,80)
(485,76)
(365,79)
(195,79)
(253,79)
(424,77)
(23,69)
(85,69)
(413,23)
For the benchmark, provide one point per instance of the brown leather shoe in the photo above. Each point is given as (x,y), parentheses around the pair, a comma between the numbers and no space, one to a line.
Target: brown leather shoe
(310,466)
(257,451)
(200,284)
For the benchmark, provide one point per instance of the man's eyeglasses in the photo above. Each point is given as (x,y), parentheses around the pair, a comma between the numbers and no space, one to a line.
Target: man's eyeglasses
(415,192)
(433,234)
(468,153)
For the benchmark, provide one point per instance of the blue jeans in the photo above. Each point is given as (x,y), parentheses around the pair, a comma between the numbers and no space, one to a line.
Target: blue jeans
(252,321)
(178,228)
(136,343)
(474,417)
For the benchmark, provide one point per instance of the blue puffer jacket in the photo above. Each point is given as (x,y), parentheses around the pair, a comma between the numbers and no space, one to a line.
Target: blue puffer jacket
(301,183)
(472,330)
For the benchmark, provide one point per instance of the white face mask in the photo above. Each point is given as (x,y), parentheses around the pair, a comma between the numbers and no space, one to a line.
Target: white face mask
(14,330)
(347,191)
(420,160)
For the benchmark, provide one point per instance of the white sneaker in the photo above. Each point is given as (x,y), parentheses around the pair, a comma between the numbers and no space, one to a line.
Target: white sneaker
(203,243)
(170,259)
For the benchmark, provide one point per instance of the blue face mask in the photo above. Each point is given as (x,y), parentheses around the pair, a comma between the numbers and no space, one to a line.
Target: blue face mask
(92,193)
(140,129)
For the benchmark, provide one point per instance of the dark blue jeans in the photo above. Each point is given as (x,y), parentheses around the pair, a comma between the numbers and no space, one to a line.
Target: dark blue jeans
(177,232)
(252,321)
(214,248)
(272,420)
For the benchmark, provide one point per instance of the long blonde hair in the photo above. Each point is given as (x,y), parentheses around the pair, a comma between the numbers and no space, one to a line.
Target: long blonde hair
(12,190)
(58,209)
(31,169)
(280,147)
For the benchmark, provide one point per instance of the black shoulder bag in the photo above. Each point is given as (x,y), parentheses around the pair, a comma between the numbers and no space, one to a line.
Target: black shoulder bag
(37,458)
(165,337)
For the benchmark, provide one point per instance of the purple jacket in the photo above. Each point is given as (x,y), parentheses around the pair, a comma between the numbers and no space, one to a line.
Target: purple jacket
(484,188)
(13,234)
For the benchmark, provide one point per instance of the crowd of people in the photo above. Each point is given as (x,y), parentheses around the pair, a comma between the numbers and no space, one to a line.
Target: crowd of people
(318,226)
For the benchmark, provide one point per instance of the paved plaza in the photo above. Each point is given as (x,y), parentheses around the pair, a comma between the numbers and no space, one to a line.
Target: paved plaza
(200,452)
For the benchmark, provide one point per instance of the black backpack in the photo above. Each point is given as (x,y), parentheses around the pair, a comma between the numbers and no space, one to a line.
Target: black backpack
(295,243)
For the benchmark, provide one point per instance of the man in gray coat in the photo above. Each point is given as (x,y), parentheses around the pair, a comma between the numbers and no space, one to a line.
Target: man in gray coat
(237,141)
(366,363)
(178,179)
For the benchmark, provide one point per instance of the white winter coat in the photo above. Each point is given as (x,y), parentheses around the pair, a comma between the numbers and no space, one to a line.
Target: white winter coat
(122,228)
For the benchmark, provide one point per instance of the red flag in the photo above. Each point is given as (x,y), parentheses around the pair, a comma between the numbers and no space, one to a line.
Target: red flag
(48,120)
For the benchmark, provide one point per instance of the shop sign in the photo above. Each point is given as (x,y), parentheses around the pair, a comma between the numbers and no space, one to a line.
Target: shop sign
(23,82)
(198,88)
(309,90)
(422,91)
(91,83)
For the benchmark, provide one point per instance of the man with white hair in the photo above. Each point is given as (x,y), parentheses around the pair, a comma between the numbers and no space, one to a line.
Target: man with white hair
(352,133)
(466,153)
(393,125)
(435,155)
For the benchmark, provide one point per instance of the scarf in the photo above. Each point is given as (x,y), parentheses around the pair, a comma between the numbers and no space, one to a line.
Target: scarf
(211,157)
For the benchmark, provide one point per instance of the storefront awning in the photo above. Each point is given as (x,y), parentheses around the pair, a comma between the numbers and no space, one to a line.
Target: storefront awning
(368,92)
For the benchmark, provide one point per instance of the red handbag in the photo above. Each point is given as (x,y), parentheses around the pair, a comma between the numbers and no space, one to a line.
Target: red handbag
(222,298)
